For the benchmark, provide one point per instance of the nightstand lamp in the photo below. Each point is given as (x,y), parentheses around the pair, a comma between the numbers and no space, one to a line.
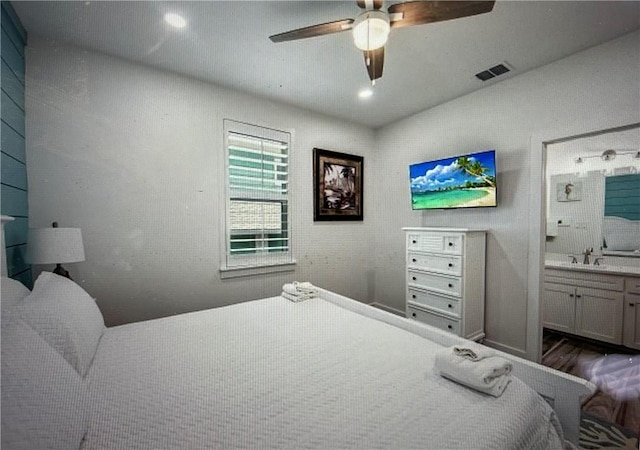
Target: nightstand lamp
(54,246)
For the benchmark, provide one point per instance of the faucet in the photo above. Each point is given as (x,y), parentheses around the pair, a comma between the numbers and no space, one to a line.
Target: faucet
(587,252)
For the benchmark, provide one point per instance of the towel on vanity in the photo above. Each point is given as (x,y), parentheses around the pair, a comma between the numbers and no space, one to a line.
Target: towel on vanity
(297,292)
(489,374)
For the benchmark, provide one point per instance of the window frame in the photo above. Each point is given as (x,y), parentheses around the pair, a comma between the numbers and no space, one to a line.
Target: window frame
(255,263)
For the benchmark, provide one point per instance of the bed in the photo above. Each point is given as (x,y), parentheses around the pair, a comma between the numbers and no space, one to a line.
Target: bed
(326,372)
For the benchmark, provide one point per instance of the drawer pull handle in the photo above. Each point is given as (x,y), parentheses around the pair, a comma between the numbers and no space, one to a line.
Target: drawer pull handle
(450,264)
(632,304)
(571,295)
(413,278)
(450,244)
(414,260)
(414,242)
(413,314)
(413,295)
(449,327)
(450,285)
(578,296)
(450,306)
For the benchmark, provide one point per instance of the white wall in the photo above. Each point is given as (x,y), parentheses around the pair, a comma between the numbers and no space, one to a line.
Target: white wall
(586,89)
(134,156)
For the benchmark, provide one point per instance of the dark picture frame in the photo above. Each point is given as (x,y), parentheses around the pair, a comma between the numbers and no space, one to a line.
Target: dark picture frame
(337,186)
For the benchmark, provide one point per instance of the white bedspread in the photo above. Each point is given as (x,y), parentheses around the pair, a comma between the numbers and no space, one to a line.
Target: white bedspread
(278,374)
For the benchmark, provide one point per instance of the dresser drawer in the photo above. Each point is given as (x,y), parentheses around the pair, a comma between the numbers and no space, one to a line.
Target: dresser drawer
(441,322)
(442,283)
(446,304)
(435,242)
(442,263)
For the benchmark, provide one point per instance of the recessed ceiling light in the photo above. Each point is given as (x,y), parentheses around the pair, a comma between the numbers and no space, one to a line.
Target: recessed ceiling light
(175,20)
(365,93)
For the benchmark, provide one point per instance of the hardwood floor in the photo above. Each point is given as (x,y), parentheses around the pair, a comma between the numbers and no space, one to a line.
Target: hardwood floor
(614,370)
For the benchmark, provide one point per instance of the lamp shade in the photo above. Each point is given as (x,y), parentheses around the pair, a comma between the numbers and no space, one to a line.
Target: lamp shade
(54,245)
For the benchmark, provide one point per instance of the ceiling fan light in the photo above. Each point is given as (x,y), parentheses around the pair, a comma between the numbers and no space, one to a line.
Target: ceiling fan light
(175,20)
(371,30)
(365,93)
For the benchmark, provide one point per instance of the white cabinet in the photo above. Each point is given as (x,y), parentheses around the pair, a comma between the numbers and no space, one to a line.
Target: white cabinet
(599,315)
(631,334)
(559,307)
(445,276)
(585,304)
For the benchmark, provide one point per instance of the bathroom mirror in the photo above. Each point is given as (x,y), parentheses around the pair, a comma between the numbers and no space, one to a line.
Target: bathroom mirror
(593,194)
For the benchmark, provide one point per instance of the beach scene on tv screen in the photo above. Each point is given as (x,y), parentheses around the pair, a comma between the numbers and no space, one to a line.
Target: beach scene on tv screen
(459,182)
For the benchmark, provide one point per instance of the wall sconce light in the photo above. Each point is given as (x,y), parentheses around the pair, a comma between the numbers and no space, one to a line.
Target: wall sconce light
(608,155)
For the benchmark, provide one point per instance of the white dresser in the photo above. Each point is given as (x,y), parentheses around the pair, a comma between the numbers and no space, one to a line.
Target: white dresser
(445,274)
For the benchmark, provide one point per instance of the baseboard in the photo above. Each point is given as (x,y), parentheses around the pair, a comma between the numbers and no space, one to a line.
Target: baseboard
(388,309)
(505,348)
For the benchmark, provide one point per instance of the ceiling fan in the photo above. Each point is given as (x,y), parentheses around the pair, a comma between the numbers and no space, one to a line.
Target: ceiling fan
(372,26)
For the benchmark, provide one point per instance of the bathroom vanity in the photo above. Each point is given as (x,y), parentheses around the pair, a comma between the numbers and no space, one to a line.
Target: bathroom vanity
(592,188)
(597,302)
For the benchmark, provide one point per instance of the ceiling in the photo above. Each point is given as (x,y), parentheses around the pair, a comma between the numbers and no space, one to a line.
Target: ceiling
(226,43)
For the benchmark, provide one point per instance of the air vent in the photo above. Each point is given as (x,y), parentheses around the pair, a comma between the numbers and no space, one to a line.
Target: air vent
(486,75)
(493,72)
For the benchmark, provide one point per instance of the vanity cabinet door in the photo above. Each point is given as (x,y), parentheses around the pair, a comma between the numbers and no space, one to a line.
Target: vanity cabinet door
(632,321)
(599,314)
(559,307)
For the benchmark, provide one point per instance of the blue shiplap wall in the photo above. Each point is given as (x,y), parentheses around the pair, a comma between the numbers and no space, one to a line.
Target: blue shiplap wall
(13,182)
(622,196)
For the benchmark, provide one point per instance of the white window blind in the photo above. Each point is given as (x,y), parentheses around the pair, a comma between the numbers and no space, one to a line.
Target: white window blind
(258,225)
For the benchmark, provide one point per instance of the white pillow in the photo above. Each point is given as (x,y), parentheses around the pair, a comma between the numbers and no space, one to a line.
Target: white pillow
(66,317)
(12,293)
(44,401)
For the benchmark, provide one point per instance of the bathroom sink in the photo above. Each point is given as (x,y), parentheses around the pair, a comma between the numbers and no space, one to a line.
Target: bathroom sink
(605,268)
(569,264)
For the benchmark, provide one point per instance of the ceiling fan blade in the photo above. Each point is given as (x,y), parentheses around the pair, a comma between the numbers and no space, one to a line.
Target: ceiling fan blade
(374,4)
(418,13)
(313,30)
(374,60)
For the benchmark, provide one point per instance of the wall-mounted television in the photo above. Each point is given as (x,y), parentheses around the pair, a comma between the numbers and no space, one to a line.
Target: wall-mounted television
(465,181)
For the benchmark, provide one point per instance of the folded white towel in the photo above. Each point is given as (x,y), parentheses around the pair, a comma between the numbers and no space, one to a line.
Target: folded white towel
(297,288)
(473,352)
(297,298)
(305,286)
(290,288)
(490,375)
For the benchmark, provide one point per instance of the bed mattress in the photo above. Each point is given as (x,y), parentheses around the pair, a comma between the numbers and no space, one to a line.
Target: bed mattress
(276,374)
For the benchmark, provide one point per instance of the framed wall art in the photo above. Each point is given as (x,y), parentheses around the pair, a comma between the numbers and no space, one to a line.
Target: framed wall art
(570,191)
(337,186)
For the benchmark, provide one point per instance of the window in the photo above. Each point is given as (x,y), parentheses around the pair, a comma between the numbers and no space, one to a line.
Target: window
(257,197)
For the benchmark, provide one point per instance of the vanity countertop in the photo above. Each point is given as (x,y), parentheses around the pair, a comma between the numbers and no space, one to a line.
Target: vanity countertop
(604,268)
